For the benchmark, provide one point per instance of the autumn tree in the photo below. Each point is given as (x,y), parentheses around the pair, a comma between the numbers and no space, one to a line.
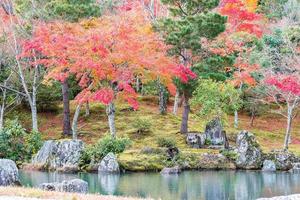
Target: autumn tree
(243,30)
(190,21)
(281,65)
(105,55)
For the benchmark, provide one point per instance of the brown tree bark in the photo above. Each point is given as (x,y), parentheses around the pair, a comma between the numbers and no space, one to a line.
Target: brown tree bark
(185,114)
(66,109)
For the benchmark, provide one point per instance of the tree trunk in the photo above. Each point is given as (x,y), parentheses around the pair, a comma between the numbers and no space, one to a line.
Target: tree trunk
(87,109)
(110,111)
(66,107)
(162,100)
(288,128)
(176,102)
(236,119)
(2,109)
(252,119)
(75,122)
(185,115)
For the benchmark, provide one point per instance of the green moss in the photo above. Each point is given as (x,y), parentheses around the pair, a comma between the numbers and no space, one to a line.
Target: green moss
(134,161)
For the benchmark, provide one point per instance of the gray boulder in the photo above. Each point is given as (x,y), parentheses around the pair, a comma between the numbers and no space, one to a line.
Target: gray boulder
(74,186)
(196,140)
(249,154)
(171,170)
(109,164)
(61,155)
(269,165)
(283,159)
(9,174)
(214,132)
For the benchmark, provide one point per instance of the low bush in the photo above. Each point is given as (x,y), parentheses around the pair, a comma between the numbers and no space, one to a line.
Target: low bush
(166,142)
(142,125)
(104,146)
(17,144)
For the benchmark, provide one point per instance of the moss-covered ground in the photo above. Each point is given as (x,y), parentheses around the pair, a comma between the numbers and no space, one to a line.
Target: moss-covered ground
(269,130)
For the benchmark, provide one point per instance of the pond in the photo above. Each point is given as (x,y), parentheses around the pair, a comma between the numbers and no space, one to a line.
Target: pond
(189,185)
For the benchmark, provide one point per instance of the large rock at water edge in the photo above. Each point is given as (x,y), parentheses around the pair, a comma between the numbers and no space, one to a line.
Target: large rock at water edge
(195,140)
(269,166)
(9,174)
(283,159)
(171,170)
(61,155)
(109,164)
(214,132)
(74,186)
(249,154)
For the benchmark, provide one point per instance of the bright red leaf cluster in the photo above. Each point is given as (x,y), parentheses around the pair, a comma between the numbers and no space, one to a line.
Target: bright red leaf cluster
(286,84)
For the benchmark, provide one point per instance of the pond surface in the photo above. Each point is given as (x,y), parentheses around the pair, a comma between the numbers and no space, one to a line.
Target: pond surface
(190,185)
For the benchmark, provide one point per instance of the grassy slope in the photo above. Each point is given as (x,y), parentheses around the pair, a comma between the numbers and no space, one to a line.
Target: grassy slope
(269,129)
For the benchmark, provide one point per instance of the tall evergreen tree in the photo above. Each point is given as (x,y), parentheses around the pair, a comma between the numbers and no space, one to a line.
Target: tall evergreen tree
(190,21)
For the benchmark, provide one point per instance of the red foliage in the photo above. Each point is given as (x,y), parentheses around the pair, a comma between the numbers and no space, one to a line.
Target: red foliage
(240,18)
(286,84)
(105,55)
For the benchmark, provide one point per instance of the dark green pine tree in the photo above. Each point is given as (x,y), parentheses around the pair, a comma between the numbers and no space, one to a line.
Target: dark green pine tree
(190,21)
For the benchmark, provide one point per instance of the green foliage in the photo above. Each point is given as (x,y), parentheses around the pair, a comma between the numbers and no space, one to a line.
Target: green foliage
(191,21)
(272,9)
(33,142)
(71,10)
(231,155)
(48,96)
(108,144)
(16,144)
(142,125)
(150,88)
(166,142)
(216,98)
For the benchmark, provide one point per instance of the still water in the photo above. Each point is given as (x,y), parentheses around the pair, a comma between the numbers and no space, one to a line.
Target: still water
(190,185)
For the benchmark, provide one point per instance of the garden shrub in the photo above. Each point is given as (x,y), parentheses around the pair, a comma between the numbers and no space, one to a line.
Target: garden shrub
(142,125)
(17,144)
(166,142)
(104,146)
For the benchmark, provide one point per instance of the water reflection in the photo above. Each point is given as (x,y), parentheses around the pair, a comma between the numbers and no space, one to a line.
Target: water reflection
(206,185)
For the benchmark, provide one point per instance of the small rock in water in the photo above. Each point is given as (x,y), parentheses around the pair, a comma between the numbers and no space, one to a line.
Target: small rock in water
(171,170)
(109,164)
(269,165)
(74,186)
(9,174)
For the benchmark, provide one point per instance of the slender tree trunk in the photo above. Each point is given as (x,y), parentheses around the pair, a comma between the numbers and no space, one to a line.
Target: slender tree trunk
(288,128)
(2,109)
(185,115)
(87,109)
(110,111)
(236,119)
(75,122)
(176,102)
(138,84)
(66,109)
(252,119)
(162,100)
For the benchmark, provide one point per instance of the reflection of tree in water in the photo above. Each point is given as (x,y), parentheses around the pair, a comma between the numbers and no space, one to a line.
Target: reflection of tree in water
(248,185)
(109,182)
